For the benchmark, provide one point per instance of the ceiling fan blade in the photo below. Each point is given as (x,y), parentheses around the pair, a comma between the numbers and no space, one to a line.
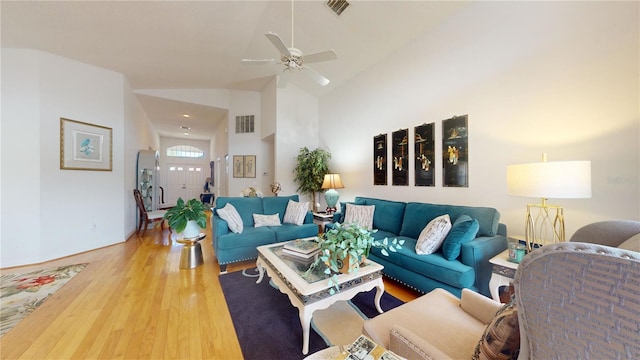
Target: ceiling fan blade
(321,56)
(316,76)
(277,42)
(258,61)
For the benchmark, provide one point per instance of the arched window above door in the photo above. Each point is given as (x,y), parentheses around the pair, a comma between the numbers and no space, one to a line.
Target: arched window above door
(185,151)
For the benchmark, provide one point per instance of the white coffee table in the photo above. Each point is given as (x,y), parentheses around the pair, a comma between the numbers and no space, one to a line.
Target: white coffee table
(313,292)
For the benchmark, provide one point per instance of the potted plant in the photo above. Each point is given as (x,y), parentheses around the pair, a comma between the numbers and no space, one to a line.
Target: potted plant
(310,169)
(187,218)
(345,247)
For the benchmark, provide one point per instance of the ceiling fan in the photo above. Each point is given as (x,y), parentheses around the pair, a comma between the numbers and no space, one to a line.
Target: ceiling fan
(294,59)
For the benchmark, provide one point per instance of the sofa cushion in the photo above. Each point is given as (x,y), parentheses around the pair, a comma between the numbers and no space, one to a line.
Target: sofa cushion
(464,229)
(501,338)
(418,215)
(277,205)
(295,213)
(388,215)
(361,215)
(229,214)
(251,237)
(266,220)
(246,207)
(433,235)
(433,266)
(291,232)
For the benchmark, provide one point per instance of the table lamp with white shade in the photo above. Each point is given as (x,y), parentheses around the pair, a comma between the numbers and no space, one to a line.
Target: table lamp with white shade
(545,180)
(331,183)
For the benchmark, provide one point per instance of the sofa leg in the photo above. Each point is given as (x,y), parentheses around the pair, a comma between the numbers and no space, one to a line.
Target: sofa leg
(223,269)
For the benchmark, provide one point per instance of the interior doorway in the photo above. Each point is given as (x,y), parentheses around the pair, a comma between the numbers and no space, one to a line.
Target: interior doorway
(185,181)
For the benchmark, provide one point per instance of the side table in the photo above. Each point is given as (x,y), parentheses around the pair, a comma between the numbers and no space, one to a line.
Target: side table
(191,256)
(503,273)
(321,219)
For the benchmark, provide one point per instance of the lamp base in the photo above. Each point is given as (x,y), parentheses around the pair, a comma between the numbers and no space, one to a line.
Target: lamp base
(331,196)
(540,228)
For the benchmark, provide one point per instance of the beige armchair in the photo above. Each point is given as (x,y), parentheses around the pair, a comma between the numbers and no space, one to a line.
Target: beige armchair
(574,301)
(609,232)
(436,325)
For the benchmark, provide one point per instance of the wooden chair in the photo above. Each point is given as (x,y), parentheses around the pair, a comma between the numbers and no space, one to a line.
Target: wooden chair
(147,217)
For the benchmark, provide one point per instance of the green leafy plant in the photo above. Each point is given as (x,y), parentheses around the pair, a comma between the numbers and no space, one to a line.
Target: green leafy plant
(310,169)
(348,245)
(179,215)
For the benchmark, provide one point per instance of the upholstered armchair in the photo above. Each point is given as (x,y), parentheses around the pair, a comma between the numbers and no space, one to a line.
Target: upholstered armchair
(609,232)
(573,301)
(579,301)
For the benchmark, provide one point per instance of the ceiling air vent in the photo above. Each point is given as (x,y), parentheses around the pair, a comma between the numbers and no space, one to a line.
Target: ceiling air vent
(337,6)
(245,124)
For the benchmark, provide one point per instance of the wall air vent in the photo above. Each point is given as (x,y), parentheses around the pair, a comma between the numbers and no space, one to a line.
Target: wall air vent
(245,124)
(337,6)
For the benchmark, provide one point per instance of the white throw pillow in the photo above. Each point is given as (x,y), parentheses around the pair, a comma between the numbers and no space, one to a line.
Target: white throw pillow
(433,235)
(266,220)
(296,212)
(229,214)
(361,215)
(631,244)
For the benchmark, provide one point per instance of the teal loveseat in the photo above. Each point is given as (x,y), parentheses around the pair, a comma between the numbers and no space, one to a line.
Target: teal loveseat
(232,247)
(471,269)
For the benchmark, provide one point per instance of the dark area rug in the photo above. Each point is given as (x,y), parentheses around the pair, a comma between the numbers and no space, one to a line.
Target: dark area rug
(268,326)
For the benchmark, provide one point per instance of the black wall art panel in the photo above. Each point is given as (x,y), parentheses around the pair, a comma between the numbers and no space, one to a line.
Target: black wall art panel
(455,152)
(424,150)
(400,153)
(380,159)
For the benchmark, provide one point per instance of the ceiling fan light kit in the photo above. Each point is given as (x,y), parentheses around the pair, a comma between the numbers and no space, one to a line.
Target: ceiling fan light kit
(294,59)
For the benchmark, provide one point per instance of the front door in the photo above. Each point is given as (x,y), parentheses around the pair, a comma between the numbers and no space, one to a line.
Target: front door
(185,181)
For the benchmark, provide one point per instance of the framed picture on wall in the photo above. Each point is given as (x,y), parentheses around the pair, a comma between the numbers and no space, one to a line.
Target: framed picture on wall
(455,152)
(85,146)
(380,159)
(238,166)
(400,152)
(424,150)
(249,166)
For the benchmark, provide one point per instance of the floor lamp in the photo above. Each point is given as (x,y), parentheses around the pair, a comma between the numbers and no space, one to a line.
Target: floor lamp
(545,180)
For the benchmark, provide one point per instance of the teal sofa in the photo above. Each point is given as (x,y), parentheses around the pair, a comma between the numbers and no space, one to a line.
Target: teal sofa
(472,270)
(232,247)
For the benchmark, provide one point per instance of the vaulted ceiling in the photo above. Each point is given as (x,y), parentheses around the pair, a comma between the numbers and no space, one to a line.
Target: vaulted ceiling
(200,44)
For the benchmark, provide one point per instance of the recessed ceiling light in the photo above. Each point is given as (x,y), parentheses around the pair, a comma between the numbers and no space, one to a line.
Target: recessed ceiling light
(186,134)
(186,115)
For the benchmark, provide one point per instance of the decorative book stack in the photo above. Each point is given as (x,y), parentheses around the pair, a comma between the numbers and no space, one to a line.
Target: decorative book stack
(302,248)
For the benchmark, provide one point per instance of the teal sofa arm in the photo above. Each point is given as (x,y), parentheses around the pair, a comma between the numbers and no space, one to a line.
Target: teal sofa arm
(477,253)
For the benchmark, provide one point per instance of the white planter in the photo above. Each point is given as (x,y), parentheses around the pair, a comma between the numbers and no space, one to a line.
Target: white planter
(192,230)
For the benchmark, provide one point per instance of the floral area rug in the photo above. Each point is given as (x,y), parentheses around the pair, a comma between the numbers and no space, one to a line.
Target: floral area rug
(20,294)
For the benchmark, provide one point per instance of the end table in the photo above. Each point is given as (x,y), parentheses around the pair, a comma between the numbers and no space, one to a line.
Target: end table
(503,273)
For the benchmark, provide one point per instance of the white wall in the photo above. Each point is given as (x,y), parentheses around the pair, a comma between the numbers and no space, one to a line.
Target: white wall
(20,183)
(244,103)
(67,211)
(138,135)
(534,77)
(297,126)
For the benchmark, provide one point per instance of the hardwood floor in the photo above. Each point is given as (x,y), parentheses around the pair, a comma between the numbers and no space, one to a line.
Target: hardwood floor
(133,302)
